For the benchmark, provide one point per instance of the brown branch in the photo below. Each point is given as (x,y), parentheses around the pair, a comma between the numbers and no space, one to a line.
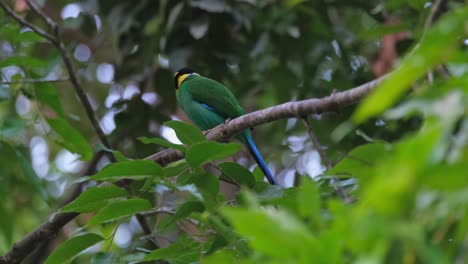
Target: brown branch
(287,110)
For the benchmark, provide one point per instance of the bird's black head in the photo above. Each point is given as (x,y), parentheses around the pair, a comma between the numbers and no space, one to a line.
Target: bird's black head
(180,75)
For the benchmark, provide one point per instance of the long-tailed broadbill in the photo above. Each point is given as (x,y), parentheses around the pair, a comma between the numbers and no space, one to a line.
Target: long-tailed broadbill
(208,103)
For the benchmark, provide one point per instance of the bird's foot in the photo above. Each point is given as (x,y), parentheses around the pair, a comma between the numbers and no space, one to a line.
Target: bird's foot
(206,132)
(227,120)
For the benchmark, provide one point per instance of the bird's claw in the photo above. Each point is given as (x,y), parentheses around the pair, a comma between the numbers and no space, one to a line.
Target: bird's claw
(206,132)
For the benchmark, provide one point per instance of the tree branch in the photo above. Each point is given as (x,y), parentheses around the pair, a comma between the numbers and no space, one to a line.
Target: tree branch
(297,109)
(220,133)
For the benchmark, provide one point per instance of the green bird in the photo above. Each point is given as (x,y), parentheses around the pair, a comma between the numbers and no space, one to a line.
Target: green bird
(208,104)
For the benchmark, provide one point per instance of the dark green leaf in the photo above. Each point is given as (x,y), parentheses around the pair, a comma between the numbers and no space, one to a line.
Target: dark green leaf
(175,168)
(47,94)
(31,175)
(72,247)
(205,182)
(187,208)
(94,198)
(7,224)
(119,209)
(71,138)
(207,151)
(238,174)
(183,251)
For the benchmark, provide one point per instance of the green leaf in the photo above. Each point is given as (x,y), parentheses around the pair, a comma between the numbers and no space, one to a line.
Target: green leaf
(273,232)
(11,61)
(31,36)
(238,174)
(360,162)
(437,47)
(105,258)
(207,151)
(7,224)
(119,209)
(72,247)
(445,177)
(135,169)
(183,251)
(205,182)
(162,142)
(267,192)
(31,175)
(186,133)
(175,168)
(47,94)
(94,198)
(71,138)
(187,208)
(308,202)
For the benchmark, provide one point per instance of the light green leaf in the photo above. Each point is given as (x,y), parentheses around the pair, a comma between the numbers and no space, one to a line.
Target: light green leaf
(308,202)
(94,198)
(31,36)
(360,162)
(207,151)
(438,46)
(135,169)
(119,209)
(69,249)
(273,232)
(71,138)
(186,133)
(162,142)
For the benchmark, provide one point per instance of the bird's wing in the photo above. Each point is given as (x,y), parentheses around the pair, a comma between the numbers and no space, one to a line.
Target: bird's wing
(215,97)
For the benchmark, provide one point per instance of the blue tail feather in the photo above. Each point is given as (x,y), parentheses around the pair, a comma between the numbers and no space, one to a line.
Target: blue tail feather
(259,159)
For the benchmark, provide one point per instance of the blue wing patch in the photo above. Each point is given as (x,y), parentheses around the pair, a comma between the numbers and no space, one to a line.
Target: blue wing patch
(209,107)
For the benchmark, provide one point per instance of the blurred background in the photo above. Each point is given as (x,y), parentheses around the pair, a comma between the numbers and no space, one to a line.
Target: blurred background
(267,52)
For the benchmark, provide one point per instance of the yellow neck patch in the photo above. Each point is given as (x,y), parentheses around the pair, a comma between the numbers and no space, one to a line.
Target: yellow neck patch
(181,79)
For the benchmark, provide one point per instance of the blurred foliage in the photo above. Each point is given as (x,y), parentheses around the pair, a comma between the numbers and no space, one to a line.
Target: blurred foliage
(403,160)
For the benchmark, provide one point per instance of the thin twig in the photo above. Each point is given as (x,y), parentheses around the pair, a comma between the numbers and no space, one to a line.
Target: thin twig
(26,81)
(316,143)
(325,160)
(25,23)
(37,9)
(72,73)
